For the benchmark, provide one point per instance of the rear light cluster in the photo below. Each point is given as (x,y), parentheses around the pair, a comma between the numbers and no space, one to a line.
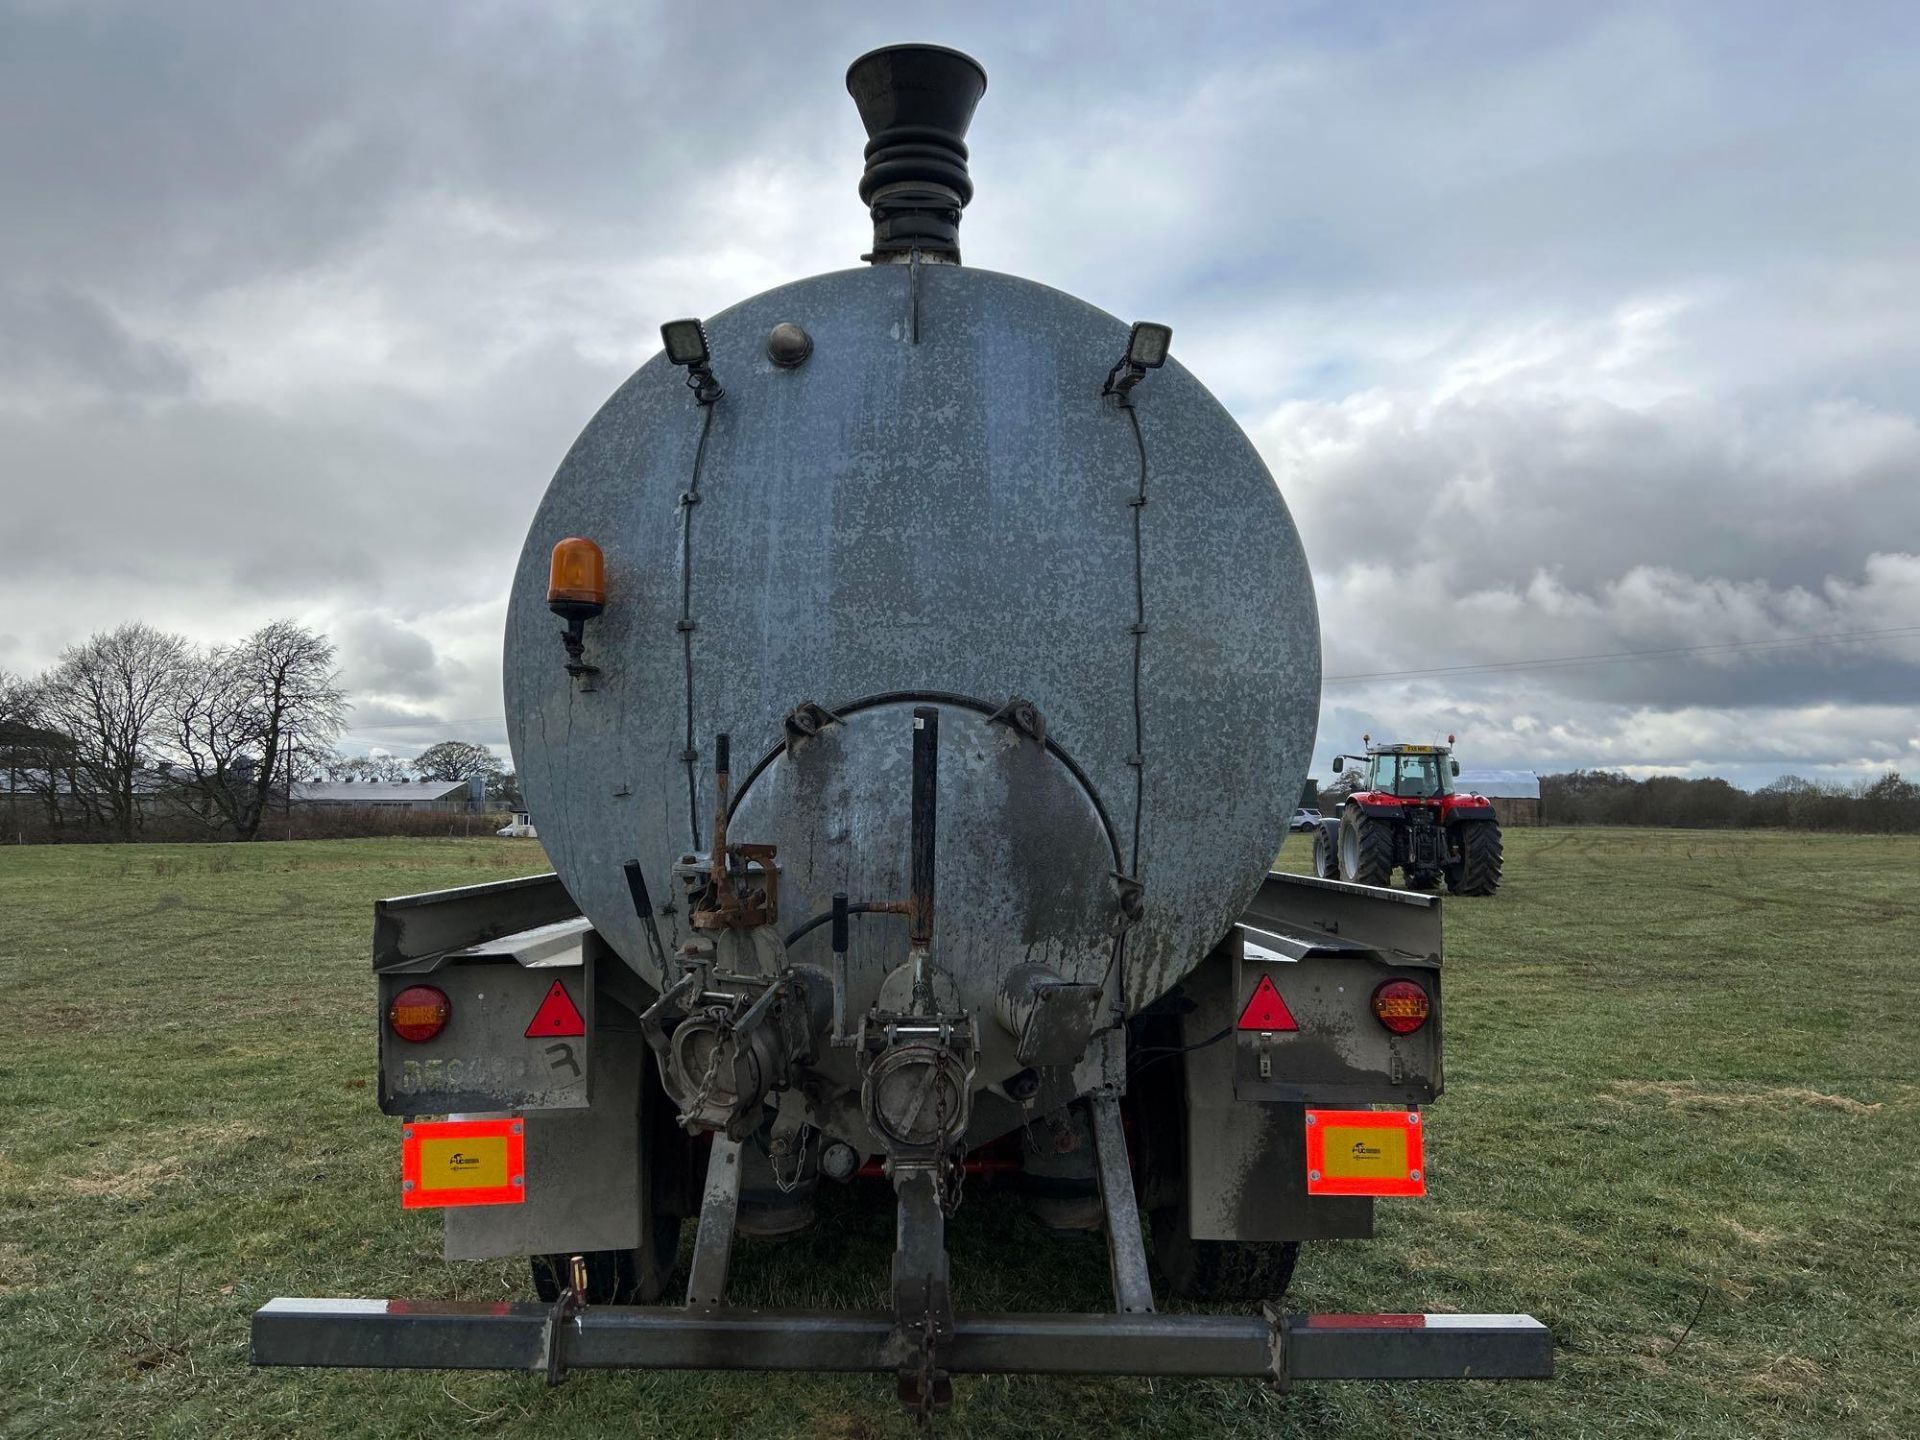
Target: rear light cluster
(420,1012)
(1401,1006)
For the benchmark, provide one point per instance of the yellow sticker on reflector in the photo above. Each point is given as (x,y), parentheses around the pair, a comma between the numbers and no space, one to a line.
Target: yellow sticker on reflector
(480,1160)
(1352,1153)
(463,1162)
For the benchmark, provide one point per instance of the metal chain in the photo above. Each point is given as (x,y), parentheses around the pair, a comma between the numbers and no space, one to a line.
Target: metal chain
(954,1164)
(699,1100)
(788,1186)
(947,1178)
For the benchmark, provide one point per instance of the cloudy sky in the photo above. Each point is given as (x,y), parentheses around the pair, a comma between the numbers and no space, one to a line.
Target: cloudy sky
(1568,330)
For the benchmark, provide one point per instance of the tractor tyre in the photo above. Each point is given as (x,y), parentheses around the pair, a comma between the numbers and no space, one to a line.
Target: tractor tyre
(1219,1271)
(1366,849)
(1481,859)
(1326,850)
(610,1276)
(616,1277)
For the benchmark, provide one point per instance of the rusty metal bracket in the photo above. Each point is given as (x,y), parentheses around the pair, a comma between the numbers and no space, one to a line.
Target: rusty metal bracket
(718,903)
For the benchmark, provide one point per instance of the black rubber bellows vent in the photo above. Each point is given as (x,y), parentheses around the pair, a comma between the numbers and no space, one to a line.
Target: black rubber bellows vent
(916,102)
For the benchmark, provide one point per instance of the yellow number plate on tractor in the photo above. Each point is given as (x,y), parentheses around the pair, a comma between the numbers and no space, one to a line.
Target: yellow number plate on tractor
(1365,1152)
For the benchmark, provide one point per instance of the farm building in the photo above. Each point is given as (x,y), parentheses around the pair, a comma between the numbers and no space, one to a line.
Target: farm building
(75,794)
(459,796)
(1515,793)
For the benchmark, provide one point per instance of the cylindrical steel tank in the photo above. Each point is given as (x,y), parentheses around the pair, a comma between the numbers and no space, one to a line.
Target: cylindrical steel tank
(925,497)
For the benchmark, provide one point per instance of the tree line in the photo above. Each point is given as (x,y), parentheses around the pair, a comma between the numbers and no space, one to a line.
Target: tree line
(134,724)
(1607,797)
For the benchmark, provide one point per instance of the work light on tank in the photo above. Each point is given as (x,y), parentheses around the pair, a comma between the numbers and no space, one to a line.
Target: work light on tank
(1148,344)
(686,345)
(1147,347)
(686,342)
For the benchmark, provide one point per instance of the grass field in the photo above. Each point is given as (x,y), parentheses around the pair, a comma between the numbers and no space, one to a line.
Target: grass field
(1680,1129)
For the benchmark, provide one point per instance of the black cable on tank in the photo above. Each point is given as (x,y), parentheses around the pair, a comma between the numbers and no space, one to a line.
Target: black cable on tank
(1139,504)
(687,502)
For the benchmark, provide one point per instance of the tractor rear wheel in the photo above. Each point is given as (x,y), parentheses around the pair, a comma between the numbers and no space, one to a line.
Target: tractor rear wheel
(1482,858)
(1366,849)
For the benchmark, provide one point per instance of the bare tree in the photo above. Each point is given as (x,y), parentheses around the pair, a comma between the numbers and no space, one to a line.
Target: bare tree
(15,691)
(110,697)
(252,718)
(38,759)
(214,722)
(19,738)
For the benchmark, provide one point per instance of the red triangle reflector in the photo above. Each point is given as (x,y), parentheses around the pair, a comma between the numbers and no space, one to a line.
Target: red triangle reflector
(1266,1010)
(557,1016)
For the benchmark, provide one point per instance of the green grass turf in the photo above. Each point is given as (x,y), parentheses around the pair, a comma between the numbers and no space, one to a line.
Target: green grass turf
(1680,1128)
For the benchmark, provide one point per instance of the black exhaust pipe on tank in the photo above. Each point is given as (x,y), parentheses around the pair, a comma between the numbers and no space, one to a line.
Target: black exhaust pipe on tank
(916,102)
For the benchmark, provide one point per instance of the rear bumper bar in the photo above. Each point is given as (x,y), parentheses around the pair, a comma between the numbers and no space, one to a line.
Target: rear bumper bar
(447,1335)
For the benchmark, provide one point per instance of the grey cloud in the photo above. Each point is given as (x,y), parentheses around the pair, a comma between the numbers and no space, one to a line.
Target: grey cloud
(58,345)
(380,717)
(1555,527)
(1514,723)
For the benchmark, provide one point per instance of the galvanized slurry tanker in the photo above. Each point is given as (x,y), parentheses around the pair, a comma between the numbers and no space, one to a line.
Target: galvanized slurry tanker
(939,665)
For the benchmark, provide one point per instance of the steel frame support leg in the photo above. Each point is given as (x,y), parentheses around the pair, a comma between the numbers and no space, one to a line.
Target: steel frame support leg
(713,1245)
(1126,1251)
(922,1292)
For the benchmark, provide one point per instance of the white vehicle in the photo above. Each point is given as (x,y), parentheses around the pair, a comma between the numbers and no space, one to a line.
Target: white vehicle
(521,828)
(1302,820)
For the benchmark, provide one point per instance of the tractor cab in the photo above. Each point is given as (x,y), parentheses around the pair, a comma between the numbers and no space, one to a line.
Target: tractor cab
(1406,772)
(1410,772)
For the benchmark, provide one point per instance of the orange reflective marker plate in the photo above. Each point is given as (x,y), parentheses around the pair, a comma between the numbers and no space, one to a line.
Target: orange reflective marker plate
(1365,1152)
(463,1162)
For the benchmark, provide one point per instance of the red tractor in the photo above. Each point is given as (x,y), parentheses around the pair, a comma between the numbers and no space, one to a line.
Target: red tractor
(1407,815)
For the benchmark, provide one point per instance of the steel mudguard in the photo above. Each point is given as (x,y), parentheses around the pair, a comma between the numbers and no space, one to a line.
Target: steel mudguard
(1326,945)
